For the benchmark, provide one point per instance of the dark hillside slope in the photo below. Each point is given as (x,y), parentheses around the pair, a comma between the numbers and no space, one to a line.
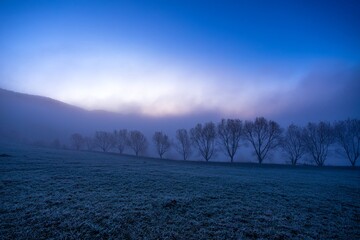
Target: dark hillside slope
(35,117)
(31,117)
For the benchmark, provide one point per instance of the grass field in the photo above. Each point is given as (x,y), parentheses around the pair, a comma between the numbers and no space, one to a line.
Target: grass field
(56,194)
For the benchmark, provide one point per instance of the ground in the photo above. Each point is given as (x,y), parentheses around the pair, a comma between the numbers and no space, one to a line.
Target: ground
(59,194)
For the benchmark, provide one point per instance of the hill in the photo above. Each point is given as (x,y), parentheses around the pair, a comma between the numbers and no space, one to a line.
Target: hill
(30,118)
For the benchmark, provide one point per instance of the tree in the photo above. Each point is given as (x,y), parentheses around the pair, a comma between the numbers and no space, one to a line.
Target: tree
(183,145)
(263,135)
(55,144)
(204,139)
(89,143)
(347,136)
(317,139)
(77,141)
(162,143)
(121,139)
(229,132)
(293,144)
(137,142)
(104,140)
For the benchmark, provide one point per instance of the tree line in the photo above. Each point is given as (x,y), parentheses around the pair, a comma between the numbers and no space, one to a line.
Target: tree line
(264,136)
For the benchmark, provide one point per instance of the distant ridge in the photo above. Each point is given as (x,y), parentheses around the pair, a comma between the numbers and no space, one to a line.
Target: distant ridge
(33,117)
(28,118)
(6,95)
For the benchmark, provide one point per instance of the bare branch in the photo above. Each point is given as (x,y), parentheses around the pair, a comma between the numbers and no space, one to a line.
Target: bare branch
(230,132)
(183,145)
(104,140)
(77,141)
(293,144)
(317,139)
(162,143)
(263,135)
(204,139)
(347,136)
(137,142)
(121,139)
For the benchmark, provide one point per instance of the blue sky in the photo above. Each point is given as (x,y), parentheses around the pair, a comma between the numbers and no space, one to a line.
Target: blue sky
(161,58)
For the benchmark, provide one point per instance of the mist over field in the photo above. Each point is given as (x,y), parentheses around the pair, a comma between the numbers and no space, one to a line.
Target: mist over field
(201,119)
(41,121)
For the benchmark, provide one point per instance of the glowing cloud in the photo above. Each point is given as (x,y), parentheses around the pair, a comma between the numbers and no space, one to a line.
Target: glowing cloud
(130,82)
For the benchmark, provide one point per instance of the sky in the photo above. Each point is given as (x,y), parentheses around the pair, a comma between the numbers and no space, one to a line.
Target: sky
(293,60)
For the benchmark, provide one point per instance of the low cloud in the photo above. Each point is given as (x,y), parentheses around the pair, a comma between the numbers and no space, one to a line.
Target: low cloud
(330,94)
(140,83)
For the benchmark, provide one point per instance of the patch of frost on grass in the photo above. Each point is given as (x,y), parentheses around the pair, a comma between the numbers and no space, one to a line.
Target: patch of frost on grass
(52,194)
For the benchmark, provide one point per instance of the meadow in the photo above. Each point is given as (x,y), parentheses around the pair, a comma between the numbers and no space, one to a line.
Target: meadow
(62,194)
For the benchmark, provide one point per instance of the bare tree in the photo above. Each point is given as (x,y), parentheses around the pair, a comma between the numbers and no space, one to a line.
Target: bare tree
(293,144)
(55,144)
(162,143)
(89,143)
(137,142)
(104,140)
(204,139)
(263,135)
(183,145)
(317,138)
(121,139)
(77,141)
(229,132)
(347,135)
